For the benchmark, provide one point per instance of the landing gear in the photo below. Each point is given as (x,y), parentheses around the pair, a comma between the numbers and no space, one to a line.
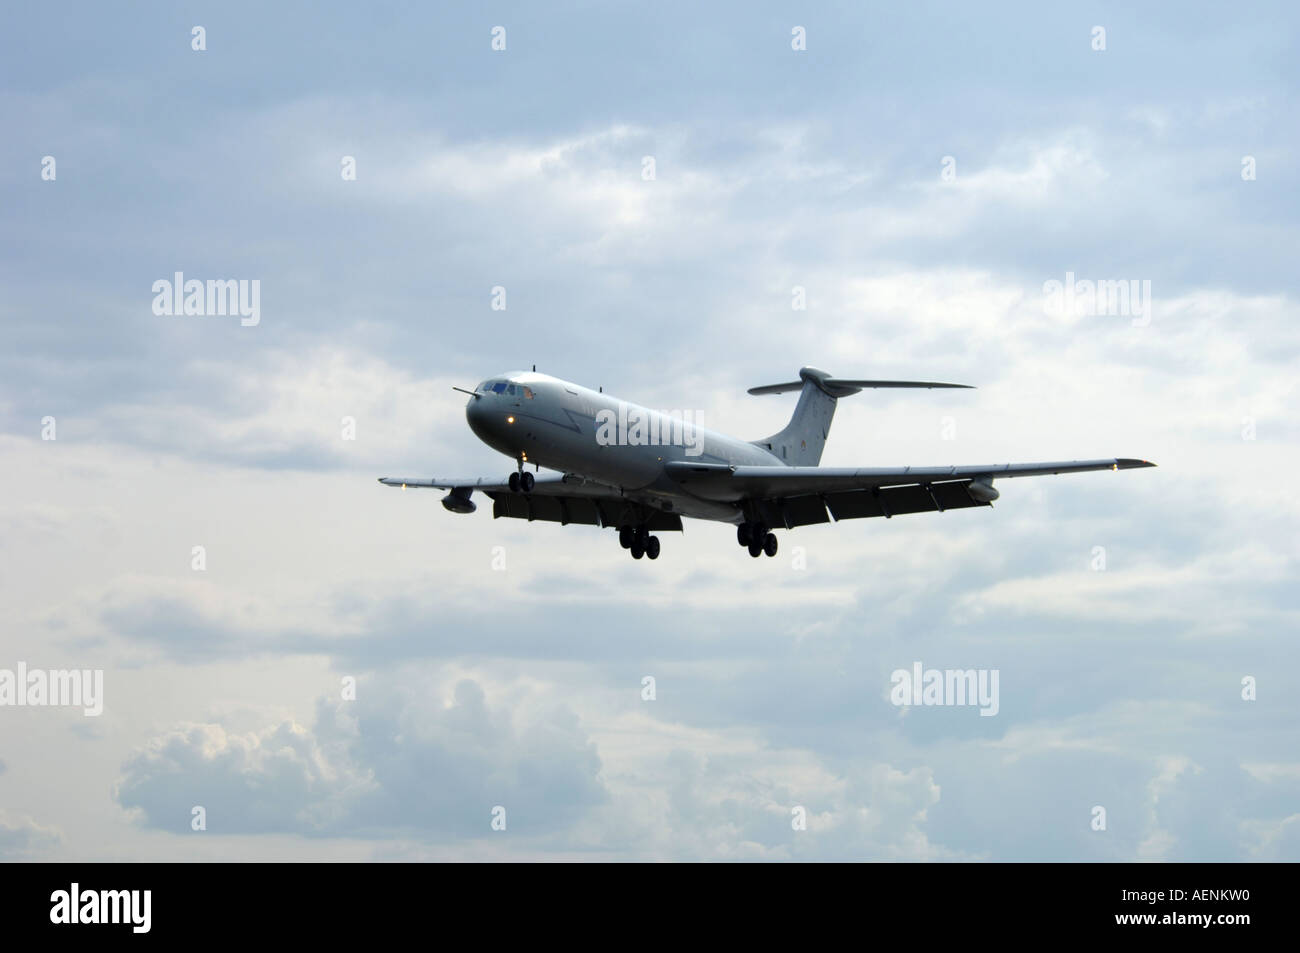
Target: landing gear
(639,541)
(514,482)
(756,538)
(521,482)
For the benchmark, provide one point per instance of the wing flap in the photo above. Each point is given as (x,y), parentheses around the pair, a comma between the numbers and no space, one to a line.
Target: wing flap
(588,511)
(795,511)
(897,500)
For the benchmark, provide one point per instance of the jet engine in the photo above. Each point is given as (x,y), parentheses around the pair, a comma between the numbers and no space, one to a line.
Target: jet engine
(981,490)
(458,500)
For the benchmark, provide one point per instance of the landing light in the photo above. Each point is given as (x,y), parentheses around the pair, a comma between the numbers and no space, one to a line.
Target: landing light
(510,420)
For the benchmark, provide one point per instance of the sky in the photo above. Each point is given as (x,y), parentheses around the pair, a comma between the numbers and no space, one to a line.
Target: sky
(678,204)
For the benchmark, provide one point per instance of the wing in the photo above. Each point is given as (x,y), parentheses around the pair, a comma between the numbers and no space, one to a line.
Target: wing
(559,498)
(797,496)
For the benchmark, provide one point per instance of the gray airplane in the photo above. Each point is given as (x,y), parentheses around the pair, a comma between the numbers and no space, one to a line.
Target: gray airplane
(640,471)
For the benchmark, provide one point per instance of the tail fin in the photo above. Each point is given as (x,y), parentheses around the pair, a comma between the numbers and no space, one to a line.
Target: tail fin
(801,443)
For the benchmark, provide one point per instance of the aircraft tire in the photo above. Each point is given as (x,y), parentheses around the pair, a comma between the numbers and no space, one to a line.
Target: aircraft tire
(652,547)
(526,482)
(755,550)
(770,544)
(637,550)
(513,482)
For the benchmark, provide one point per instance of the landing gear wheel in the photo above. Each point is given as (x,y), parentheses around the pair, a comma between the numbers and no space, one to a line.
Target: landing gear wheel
(514,482)
(769,544)
(755,550)
(637,550)
(652,547)
(742,534)
(526,482)
(625,536)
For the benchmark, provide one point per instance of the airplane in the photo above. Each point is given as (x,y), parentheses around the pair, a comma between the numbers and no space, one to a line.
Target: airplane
(614,466)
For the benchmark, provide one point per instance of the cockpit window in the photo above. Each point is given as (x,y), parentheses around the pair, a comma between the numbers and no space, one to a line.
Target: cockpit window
(528,393)
(510,389)
(499,387)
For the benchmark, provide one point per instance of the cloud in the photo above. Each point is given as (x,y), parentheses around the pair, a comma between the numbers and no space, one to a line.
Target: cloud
(21,838)
(395,761)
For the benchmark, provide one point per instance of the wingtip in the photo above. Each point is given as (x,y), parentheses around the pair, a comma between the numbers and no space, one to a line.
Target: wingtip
(1132,463)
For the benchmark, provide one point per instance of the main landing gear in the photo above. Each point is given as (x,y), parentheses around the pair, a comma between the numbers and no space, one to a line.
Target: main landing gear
(639,541)
(522,482)
(756,538)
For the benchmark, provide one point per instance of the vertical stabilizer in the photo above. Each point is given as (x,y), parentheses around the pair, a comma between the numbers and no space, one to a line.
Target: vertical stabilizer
(800,444)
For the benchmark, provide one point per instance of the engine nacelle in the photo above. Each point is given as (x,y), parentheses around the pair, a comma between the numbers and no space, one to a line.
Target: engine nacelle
(458,501)
(981,490)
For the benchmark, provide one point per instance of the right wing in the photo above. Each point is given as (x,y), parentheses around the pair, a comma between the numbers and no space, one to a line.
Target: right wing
(558,498)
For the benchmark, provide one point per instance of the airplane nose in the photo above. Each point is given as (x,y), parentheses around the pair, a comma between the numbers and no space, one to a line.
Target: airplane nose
(476,414)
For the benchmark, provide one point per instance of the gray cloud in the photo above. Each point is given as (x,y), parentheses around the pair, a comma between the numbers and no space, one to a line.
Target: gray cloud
(21,838)
(394,761)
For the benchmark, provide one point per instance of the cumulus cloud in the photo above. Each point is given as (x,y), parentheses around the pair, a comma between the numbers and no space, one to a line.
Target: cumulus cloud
(395,760)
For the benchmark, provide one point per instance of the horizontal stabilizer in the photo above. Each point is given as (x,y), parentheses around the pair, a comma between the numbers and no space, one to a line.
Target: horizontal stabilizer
(839,387)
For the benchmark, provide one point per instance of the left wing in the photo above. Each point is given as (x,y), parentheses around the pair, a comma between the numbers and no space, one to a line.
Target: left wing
(797,496)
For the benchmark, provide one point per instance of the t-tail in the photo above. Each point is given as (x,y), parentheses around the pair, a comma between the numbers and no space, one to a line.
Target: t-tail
(800,444)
